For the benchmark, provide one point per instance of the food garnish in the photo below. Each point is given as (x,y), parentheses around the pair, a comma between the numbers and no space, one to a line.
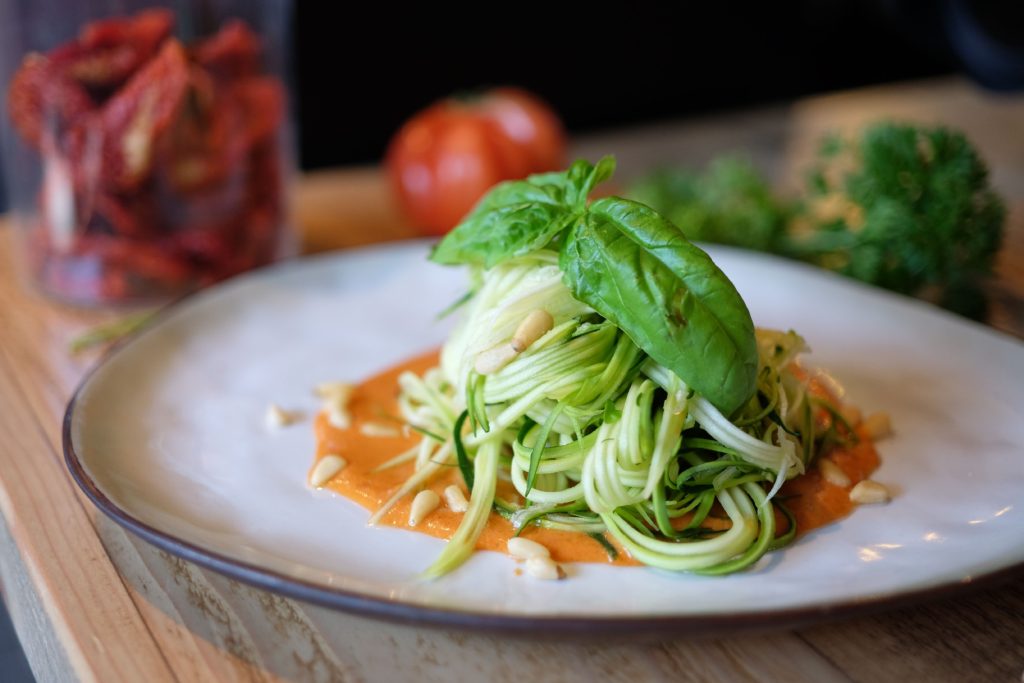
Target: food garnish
(326,469)
(868,491)
(277,417)
(111,332)
(904,207)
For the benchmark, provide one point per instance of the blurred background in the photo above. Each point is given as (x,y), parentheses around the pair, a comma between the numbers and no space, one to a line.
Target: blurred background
(658,61)
(677,87)
(360,74)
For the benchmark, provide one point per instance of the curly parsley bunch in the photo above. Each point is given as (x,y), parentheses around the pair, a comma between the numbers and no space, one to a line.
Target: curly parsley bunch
(904,207)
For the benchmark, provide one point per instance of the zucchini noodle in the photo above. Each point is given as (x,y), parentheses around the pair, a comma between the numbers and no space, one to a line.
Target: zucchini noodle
(597,437)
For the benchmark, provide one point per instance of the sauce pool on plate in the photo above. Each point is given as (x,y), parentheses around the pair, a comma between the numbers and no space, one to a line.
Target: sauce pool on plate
(375,435)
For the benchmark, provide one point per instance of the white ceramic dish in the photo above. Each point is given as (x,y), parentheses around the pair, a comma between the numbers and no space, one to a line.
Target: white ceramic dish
(167,437)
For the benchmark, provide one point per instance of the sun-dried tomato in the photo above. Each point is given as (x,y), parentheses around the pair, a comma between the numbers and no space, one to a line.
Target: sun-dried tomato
(213,207)
(147,29)
(136,115)
(108,52)
(264,176)
(258,103)
(231,53)
(194,153)
(260,237)
(95,69)
(142,258)
(44,104)
(215,133)
(145,259)
(135,216)
(204,243)
(189,170)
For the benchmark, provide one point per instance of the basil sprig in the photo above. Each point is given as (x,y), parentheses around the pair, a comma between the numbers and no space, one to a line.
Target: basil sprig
(520,216)
(629,263)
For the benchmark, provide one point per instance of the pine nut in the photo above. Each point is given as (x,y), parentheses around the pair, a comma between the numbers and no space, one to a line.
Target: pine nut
(378,429)
(494,359)
(336,396)
(338,416)
(533,327)
(877,425)
(832,473)
(455,499)
(326,468)
(334,390)
(543,568)
(425,502)
(852,415)
(869,491)
(524,548)
(277,417)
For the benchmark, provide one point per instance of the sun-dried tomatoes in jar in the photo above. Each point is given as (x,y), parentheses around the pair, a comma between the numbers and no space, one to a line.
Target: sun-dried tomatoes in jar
(162,160)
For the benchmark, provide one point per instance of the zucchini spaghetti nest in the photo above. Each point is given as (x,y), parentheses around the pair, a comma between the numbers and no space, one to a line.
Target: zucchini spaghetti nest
(611,372)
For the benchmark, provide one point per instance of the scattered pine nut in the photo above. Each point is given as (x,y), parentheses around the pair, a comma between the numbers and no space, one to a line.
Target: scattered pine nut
(326,469)
(534,326)
(494,359)
(378,429)
(455,499)
(544,568)
(425,502)
(327,390)
(832,473)
(277,417)
(869,491)
(524,548)
(336,396)
(338,416)
(877,425)
(851,414)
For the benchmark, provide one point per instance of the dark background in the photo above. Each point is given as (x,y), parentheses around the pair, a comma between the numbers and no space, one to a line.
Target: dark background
(359,76)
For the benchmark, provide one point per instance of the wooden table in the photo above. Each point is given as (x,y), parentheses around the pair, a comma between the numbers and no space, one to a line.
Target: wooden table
(92,602)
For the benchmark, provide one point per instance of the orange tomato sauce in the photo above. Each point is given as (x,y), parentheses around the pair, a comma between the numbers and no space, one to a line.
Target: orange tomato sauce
(814,501)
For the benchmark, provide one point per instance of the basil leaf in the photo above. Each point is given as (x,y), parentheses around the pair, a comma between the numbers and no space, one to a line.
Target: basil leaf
(636,269)
(520,216)
(584,177)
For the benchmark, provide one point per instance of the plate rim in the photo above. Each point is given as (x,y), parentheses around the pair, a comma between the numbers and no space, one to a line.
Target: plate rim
(526,625)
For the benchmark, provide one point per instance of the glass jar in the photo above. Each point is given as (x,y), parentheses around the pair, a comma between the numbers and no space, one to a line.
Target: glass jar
(147,146)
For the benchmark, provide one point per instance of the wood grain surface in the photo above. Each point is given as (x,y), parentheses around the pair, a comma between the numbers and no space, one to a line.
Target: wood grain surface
(91,602)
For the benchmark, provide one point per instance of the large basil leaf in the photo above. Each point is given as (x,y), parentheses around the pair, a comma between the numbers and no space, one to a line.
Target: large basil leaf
(520,216)
(636,269)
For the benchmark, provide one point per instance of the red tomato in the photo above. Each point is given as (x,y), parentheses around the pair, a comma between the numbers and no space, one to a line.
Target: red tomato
(447,156)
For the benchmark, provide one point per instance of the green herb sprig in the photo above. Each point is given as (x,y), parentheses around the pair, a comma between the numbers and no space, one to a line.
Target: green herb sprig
(629,263)
(908,208)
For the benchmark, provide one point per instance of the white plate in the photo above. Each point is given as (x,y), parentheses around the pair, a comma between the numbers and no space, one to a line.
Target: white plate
(167,437)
